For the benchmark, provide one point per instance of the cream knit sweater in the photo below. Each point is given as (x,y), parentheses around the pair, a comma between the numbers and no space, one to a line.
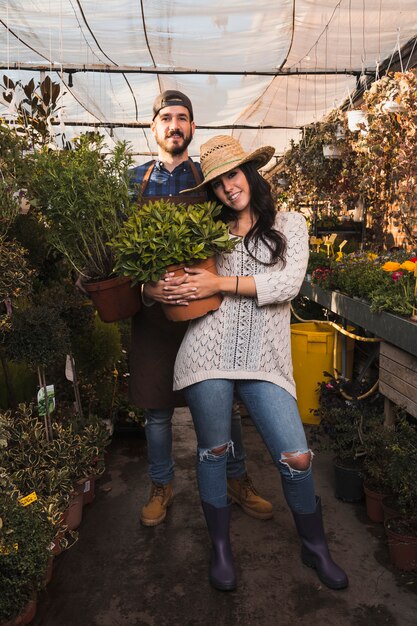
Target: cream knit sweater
(249,338)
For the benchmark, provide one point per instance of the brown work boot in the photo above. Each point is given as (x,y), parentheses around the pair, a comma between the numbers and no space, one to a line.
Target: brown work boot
(154,512)
(242,491)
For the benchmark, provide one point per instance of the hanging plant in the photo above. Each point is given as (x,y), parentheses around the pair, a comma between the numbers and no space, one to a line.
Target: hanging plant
(387,156)
(320,169)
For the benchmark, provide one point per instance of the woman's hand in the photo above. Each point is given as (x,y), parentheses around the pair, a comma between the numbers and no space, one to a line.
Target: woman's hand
(196,284)
(156,291)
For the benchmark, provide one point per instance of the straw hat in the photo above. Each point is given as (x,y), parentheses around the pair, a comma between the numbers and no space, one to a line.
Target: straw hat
(223,153)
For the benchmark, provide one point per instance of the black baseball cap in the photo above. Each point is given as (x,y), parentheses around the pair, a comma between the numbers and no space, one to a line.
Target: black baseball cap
(172,98)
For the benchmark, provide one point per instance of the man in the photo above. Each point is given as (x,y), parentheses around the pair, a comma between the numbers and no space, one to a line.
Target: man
(155,340)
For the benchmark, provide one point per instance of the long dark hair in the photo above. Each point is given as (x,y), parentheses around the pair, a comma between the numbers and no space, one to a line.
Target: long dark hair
(264,210)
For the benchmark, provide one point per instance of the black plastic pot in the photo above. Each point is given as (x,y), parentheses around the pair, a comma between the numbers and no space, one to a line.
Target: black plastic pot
(348,483)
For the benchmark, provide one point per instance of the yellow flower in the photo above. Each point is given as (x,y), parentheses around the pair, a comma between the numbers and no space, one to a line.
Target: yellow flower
(372,256)
(391,266)
(408,265)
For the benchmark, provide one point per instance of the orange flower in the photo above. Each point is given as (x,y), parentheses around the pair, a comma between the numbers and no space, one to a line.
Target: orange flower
(391,266)
(408,265)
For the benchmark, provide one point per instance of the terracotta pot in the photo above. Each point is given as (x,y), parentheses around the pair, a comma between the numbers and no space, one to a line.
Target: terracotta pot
(374,508)
(74,513)
(115,299)
(348,483)
(198,308)
(87,486)
(388,507)
(49,570)
(402,547)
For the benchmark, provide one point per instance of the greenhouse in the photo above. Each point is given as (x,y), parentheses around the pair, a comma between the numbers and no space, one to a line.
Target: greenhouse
(208,276)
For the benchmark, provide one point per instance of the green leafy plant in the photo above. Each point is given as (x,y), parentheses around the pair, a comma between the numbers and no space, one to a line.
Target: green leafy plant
(38,336)
(323,186)
(378,457)
(387,281)
(345,421)
(25,536)
(402,466)
(15,279)
(36,107)
(83,197)
(14,174)
(162,234)
(51,467)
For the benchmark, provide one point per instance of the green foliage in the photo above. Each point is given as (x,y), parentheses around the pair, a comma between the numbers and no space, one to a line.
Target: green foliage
(36,110)
(83,197)
(15,277)
(317,259)
(161,233)
(378,458)
(38,336)
(368,276)
(24,539)
(31,234)
(345,424)
(52,467)
(321,184)
(14,173)
(402,467)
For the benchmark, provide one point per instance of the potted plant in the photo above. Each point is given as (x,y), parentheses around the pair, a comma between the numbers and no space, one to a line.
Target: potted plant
(24,539)
(401,530)
(83,197)
(38,337)
(376,467)
(162,235)
(387,281)
(344,426)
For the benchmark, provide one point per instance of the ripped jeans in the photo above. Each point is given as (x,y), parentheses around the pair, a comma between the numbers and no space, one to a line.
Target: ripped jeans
(275,414)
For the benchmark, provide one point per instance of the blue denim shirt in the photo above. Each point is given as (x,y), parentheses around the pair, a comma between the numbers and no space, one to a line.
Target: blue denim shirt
(162,182)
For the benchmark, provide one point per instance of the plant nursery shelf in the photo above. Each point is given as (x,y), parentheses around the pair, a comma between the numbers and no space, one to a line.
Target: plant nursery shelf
(396,330)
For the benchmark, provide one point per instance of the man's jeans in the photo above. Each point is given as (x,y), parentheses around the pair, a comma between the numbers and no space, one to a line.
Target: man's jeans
(275,414)
(158,430)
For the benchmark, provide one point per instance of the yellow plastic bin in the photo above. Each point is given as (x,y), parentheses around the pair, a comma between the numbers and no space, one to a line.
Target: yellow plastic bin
(312,347)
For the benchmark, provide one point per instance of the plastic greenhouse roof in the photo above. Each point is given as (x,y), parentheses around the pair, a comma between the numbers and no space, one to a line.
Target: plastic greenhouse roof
(257,70)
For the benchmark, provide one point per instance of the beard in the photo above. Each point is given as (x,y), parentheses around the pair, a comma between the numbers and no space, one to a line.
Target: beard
(177,148)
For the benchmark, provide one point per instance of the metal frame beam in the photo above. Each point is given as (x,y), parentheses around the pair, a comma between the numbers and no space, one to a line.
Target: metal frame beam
(73,68)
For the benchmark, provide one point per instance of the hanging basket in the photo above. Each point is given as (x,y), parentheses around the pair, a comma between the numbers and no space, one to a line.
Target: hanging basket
(196,308)
(356,118)
(332,152)
(115,299)
(392,106)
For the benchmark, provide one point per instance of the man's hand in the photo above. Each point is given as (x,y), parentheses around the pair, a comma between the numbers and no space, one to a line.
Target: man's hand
(79,285)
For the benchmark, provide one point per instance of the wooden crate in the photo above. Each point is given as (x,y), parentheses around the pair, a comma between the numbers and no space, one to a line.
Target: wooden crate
(397,379)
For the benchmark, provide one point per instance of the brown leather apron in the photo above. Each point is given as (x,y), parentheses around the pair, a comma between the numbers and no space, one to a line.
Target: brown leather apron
(155,340)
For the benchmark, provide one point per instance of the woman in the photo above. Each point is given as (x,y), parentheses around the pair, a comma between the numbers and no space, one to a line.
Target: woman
(243,348)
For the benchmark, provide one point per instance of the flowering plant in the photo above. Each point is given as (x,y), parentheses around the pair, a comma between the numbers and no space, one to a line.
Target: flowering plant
(387,282)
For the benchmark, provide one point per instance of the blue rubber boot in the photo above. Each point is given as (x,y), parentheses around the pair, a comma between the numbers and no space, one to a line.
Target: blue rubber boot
(222,573)
(315,552)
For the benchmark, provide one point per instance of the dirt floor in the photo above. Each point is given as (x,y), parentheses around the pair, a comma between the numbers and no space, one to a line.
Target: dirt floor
(120,573)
